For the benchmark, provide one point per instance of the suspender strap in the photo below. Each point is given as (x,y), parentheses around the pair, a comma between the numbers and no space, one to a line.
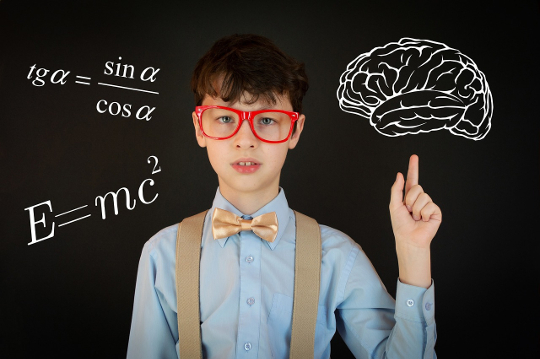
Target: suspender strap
(307,271)
(307,274)
(188,254)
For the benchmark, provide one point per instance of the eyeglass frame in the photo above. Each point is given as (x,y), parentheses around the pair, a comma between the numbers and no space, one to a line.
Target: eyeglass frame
(246,116)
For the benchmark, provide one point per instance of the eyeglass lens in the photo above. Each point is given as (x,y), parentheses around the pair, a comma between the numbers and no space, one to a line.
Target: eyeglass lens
(271,126)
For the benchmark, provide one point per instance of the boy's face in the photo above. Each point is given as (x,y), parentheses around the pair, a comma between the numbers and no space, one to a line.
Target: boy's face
(262,177)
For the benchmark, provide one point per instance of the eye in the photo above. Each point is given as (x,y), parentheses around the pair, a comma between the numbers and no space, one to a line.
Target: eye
(267,121)
(225,119)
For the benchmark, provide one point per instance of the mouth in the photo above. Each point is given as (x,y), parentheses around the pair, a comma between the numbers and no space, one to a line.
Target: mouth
(246,165)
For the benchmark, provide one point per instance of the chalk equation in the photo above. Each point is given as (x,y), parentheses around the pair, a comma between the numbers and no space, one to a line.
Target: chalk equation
(99,201)
(39,77)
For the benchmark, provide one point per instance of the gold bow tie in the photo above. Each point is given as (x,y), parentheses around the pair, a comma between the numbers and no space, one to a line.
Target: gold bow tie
(226,224)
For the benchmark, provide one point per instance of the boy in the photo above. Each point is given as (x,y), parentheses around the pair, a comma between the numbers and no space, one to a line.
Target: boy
(249,103)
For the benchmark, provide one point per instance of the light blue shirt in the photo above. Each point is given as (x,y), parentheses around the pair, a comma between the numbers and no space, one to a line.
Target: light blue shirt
(246,291)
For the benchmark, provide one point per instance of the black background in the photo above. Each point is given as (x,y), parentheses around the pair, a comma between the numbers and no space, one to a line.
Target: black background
(71,295)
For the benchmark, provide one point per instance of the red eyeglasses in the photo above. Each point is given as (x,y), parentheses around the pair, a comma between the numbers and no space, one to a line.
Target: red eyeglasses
(221,123)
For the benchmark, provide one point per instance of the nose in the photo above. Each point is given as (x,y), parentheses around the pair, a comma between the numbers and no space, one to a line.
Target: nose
(245,138)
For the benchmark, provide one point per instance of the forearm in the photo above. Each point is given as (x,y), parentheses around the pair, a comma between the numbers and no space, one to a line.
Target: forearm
(414,265)
(407,332)
(414,333)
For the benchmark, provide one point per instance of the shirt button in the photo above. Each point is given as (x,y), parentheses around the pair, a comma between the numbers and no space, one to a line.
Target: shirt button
(250,301)
(428,305)
(249,259)
(247,346)
(410,302)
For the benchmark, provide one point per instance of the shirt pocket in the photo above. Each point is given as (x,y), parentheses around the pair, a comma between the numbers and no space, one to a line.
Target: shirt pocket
(280,325)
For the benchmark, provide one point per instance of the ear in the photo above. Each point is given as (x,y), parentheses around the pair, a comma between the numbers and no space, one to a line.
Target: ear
(295,137)
(201,139)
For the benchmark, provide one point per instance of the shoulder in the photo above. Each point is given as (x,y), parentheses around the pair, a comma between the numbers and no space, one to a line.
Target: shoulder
(340,252)
(335,241)
(332,238)
(162,244)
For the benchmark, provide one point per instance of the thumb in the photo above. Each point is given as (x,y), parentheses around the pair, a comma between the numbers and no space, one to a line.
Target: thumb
(396,193)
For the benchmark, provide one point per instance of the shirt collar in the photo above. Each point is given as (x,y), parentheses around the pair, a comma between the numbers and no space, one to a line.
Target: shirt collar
(278,204)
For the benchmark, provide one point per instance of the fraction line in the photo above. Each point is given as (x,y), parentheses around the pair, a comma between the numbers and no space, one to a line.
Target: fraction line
(128,88)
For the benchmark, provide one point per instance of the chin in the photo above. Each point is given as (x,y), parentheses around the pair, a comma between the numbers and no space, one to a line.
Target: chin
(245,186)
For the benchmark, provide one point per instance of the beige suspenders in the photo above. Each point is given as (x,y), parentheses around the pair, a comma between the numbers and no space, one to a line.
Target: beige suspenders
(188,255)
(307,280)
(307,271)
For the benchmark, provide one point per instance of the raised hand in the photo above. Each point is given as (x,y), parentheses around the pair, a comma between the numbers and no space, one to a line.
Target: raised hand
(415,220)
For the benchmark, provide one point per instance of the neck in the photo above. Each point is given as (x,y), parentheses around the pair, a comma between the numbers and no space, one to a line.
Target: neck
(248,202)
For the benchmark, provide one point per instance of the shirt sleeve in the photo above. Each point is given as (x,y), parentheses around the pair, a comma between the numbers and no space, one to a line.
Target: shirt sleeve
(151,335)
(373,325)
(415,321)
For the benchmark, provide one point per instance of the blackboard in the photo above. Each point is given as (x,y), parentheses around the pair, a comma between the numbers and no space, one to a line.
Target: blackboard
(68,137)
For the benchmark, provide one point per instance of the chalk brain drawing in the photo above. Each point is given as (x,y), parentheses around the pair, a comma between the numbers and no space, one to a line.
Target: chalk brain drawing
(415,86)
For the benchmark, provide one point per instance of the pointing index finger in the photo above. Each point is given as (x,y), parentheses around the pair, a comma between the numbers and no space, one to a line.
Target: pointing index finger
(412,173)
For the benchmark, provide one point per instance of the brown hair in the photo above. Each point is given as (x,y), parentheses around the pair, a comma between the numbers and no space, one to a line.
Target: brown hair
(249,63)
